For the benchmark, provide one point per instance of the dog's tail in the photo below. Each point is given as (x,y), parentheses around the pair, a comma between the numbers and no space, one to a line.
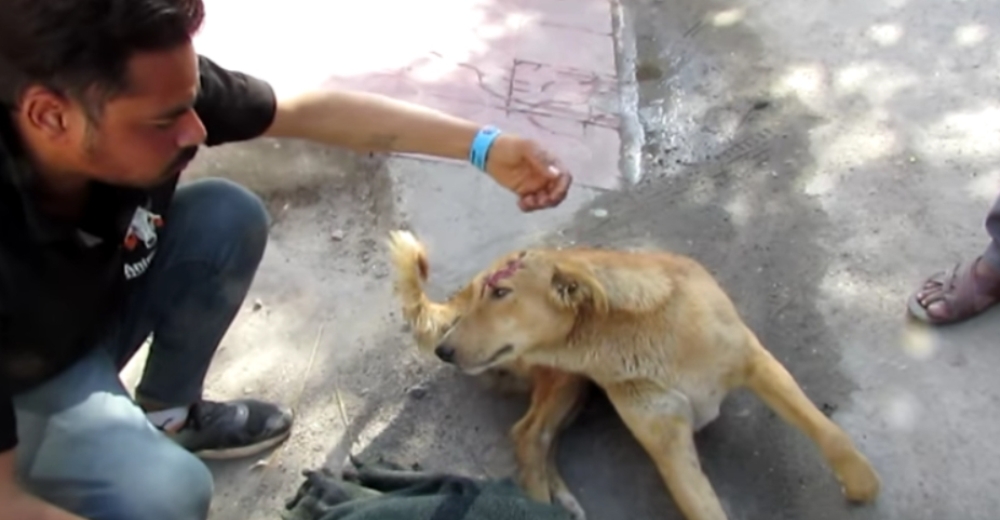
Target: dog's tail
(428,321)
(409,258)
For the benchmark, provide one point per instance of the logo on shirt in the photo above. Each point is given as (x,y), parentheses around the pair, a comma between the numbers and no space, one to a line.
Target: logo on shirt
(142,230)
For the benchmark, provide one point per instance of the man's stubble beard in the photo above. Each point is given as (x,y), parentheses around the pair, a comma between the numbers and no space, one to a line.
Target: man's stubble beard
(174,168)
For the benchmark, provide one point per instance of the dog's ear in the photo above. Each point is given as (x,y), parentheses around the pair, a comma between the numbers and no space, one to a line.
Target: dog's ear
(573,286)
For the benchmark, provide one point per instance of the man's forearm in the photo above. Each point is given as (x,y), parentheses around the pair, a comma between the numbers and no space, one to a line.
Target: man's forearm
(17,504)
(27,507)
(371,122)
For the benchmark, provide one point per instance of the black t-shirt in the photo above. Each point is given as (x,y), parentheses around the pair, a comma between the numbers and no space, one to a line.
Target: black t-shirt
(62,284)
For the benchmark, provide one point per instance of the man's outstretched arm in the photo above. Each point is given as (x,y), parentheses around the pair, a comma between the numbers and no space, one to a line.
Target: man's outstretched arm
(371,122)
(366,122)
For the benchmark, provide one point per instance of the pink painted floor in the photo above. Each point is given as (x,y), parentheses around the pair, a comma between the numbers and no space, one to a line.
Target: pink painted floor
(541,68)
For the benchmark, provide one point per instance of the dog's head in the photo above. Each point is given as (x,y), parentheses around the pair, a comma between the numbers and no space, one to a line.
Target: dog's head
(525,301)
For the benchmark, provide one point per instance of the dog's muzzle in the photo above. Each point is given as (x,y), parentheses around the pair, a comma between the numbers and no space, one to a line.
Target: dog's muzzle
(445,353)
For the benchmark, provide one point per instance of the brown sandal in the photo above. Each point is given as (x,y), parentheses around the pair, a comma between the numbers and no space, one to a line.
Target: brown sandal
(963,293)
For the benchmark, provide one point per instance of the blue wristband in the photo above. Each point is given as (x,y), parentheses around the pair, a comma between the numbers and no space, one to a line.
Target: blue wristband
(481,144)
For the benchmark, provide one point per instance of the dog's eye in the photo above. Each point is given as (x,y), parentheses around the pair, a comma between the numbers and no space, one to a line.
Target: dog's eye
(499,292)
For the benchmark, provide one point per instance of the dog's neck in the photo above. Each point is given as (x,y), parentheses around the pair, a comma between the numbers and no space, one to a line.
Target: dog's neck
(582,342)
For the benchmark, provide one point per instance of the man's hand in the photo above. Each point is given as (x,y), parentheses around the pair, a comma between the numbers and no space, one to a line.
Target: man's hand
(523,167)
(17,504)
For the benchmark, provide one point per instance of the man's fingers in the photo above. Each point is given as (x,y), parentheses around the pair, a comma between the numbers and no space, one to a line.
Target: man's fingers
(553,193)
(527,202)
(563,183)
(537,201)
(547,185)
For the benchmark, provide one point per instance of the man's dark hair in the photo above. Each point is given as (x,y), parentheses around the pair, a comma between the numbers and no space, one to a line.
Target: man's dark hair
(81,48)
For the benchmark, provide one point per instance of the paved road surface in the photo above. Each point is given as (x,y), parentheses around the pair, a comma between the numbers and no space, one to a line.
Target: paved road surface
(819,157)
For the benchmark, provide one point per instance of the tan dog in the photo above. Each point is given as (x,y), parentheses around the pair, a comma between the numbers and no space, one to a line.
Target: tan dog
(654,330)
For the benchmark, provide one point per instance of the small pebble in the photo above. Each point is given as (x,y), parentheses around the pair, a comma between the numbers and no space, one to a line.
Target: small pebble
(258,305)
(417,391)
(600,212)
(337,235)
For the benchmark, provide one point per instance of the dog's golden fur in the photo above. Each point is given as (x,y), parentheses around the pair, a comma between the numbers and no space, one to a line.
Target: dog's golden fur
(653,329)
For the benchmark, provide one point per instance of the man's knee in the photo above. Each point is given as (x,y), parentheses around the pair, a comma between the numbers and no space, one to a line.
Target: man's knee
(96,454)
(225,214)
(178,487)
(158,484)
(229,202)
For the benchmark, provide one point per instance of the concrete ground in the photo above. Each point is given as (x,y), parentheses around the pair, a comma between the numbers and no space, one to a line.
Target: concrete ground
(819,194)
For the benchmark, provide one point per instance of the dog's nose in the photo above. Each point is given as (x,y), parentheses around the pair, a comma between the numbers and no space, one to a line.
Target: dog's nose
(445,353)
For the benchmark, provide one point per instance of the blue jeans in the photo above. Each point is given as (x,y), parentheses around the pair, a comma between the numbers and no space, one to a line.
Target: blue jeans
(85,445)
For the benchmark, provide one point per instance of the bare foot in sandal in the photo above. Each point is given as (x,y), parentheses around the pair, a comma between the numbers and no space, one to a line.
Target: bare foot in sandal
(968,290)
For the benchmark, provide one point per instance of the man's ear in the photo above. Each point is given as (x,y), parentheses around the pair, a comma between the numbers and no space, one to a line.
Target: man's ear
(574,286)
(46,111)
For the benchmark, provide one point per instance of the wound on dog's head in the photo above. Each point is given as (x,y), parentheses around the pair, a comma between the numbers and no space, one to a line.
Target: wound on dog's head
(502,274)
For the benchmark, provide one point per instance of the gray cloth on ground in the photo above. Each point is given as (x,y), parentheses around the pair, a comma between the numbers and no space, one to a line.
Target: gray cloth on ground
(384,491)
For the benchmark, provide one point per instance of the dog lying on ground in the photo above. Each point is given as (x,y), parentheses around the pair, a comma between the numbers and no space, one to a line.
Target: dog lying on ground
(654,330)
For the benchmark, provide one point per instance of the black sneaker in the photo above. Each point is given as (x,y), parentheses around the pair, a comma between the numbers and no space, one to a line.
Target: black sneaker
(233,429)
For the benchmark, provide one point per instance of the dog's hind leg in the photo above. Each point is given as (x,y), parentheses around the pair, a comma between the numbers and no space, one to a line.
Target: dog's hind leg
(662,423)
(772,383)
(556,399)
